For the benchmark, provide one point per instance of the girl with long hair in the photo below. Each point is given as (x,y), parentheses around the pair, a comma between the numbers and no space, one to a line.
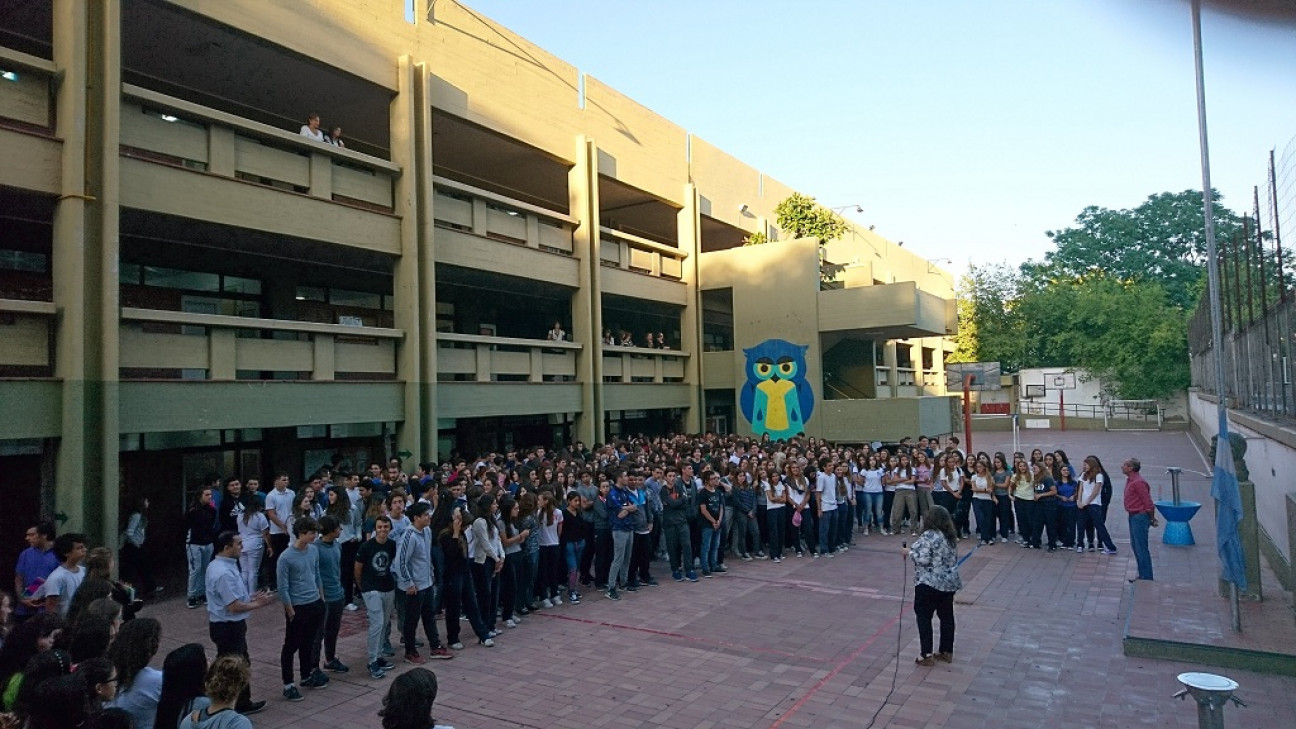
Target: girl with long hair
(408,703)
(1094,489)
(1068,495)
(1002,476)
(983,501)
(1022,499)
(254,528)
(549,520)
(183,671)
(139,684)
(936,579)
(486,560)
(1046,506)
(460,596)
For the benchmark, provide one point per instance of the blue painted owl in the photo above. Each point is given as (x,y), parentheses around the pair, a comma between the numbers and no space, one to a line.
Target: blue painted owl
(777,399)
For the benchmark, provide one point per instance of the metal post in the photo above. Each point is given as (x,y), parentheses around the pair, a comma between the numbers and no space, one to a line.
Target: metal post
(1174,472)
(967,412)
(1212,262)
(1273,190)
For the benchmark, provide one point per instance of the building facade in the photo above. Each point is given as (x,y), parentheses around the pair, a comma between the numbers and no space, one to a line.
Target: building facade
(188,285)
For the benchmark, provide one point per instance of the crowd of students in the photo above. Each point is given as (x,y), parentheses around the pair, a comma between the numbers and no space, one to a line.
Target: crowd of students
(499,536)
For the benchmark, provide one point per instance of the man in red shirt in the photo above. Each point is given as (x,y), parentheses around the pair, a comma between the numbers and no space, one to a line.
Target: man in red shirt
(1142,515)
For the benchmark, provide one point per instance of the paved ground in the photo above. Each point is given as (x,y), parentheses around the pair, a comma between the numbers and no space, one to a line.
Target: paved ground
(813,643)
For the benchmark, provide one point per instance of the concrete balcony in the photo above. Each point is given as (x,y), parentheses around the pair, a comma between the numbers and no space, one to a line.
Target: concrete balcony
(891,311)
(491,359)
(27,336)
(642,365)
(481,230)
(641,268)
(31,153)
(192,161)
(209,347)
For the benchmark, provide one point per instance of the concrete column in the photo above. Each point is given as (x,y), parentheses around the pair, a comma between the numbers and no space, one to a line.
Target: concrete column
(426,269)
(587,309)
(405,273)
(893,374)
(690,241)
(87,51)
(221,157)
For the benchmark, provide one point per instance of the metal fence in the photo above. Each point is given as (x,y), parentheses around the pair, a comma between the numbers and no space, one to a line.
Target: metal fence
(1259,307)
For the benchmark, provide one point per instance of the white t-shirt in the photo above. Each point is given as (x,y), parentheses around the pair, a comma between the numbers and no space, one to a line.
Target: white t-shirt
(826,487)
(778,489)
(1092,489)
(795,497)
(250,530)
(908,475)
(317,135)
(282,506)
(63,583)
(873,480)
(981,486)
(548,534)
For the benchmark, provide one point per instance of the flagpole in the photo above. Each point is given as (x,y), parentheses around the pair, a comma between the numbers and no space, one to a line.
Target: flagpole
(1212,265)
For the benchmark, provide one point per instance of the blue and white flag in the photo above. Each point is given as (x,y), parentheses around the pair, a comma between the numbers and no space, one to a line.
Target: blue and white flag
(1228,510)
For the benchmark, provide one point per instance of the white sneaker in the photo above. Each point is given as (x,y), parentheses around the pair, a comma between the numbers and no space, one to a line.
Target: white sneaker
(546,603)
(510,623)
(352,607)
(557,600)
(456,646)
(1003,539)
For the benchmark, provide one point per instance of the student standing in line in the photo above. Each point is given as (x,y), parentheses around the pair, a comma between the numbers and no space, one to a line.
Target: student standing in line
(200,532)
(414,579)
(1093,484)
(378,591)
(329,548)
(278,507)
(302,593)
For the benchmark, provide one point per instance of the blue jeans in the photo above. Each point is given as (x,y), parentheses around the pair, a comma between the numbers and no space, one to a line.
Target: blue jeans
(711,538)
(873,509)
(827,531)
(1139,524)
(985,510)
(199,556)
(845,535)
(572,551)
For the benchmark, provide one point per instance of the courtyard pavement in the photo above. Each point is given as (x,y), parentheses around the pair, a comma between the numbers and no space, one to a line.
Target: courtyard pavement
(814,642)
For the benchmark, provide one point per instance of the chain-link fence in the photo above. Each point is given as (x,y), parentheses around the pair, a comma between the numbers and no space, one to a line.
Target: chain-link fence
(1257,302)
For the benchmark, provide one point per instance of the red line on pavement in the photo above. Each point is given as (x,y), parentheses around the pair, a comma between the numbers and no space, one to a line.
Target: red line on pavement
(836,670)
(690,638)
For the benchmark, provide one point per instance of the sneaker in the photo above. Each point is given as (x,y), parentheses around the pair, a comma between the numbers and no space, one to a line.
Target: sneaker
(816,555)
(652,582)
(495,633)
(1079,550)
(546,603)
(677,576)
(292,694)
(1109,551)
(706,573)
(385,664)
(351,607)
(192,603)
(601,586)
(376,671)
(456,646)
(510,623)
(632,588)
(1023,545)
(761,555)
(800,555)
(691,576)
(830,555)
(524,610)
(415,658)
(251,707)
(440,653)
(557,600)
(721,569)
(1003,539)
(487,642)
(317,680)
(1092,548)
(612,595)
(388,651)
(777,560)
(336,666)
(746,558)
(573,599)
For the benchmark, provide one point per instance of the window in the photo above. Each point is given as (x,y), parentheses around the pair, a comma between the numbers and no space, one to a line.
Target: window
(24,261)
(717,320)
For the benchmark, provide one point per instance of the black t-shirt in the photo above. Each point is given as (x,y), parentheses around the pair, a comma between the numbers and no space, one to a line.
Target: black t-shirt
(712,500)
(375,566)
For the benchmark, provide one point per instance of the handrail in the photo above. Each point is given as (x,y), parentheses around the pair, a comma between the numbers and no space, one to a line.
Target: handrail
(505,341)
(645,243)
(255,128)
(27,61)
(838,383)
(22,306)
(648,351)
(504,200)
(244,322)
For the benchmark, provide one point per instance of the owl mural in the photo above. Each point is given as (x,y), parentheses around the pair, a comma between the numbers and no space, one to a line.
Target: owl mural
(776,398)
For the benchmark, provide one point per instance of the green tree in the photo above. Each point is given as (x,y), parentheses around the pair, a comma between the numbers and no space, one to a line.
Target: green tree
(1162,240)
(799,216)
(989,323)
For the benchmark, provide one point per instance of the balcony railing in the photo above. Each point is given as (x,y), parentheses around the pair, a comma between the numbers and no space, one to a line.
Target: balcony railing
(632,253)
(639,364)
(479,358)
(486,214)
(25,90)
(26,336)
(218,347)
(165,129)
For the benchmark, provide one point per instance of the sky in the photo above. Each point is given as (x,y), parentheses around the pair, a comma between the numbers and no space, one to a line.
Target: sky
(965,129)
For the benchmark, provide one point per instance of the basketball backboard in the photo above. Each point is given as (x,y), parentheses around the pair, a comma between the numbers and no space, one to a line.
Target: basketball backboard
(1062,380)
(985,376)
(1034,391)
